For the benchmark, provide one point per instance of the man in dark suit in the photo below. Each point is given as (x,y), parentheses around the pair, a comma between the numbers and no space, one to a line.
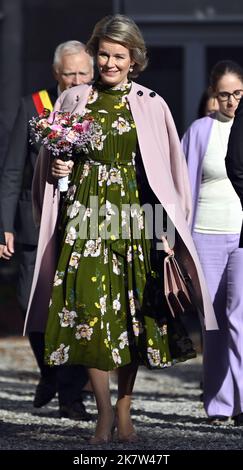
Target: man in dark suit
(3,141)
(2,238)
(234,157)
(3,148)
(72,66)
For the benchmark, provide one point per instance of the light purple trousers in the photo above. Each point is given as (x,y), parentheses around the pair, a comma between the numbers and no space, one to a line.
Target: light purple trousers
(222,263)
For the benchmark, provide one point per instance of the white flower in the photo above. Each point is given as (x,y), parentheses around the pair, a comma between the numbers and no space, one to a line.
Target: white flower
(137,327)
(121,125)
(73,209)
(71,136)
(86,170)
(123,340)
(116,305)
(139,215)
(131,302)
(97,141)
(116,265)
(140,250)
(125,102)
(67,318)
(92,248)
(114,177)
(103,304)
(129,254)
(57,280)
(105,255)
(108,331)
(92,97)
(125,222)
(60,356)
(125,218)
(87,213)
(116,356)
(108,210)
(153,356)
(43,124)
(83,331)
(102,174)
(71,192)
(71,236)
(163,330)
(74,259)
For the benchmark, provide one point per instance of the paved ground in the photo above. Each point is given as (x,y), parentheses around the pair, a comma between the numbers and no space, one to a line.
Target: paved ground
(167,411)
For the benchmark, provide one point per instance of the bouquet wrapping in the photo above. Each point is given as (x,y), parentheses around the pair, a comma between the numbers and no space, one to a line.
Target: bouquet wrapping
(65,135)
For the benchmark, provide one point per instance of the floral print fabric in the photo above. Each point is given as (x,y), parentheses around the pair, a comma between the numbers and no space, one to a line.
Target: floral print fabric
(96,315)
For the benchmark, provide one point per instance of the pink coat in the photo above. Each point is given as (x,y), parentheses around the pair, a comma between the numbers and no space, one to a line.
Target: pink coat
(167,175)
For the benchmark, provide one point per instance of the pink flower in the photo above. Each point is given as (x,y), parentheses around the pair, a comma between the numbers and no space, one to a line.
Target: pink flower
(63,133)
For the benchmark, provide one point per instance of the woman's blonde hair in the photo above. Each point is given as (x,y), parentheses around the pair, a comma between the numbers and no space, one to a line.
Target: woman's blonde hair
(123,30)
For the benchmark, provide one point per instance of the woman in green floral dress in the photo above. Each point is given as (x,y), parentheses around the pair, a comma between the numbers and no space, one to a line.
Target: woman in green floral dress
(99,283)
(97,314)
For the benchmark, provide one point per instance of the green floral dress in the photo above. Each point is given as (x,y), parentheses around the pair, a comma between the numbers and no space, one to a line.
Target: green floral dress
(96,315)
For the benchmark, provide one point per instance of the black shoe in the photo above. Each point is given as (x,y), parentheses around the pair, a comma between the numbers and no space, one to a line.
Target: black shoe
(76,411)
(217,420)
(45,392)
(238,420)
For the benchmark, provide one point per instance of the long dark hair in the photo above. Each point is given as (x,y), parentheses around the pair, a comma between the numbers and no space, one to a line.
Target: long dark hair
(223,67)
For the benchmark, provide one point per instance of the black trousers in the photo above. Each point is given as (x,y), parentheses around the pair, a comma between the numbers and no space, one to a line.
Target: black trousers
(69,380)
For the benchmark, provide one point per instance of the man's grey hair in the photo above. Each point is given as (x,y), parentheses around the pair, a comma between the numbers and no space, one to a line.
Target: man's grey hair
(68,47)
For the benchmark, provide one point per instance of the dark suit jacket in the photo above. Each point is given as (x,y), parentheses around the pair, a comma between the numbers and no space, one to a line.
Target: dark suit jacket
(3,141)
(3,148)
(17,174)
(2,238)
(234,157)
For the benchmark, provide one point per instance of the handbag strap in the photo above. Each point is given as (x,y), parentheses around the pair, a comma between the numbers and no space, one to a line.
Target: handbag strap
(168,283)
(173,282)
(180,278)
(169,276)
(172,268)
(166,246)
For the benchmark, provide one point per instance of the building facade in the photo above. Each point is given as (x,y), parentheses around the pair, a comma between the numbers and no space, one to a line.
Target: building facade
(184,39)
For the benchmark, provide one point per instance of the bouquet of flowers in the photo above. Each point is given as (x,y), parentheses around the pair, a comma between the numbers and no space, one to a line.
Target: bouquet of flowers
(65,135)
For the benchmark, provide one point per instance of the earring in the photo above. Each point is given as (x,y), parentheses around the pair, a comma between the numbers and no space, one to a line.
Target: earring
(131,69)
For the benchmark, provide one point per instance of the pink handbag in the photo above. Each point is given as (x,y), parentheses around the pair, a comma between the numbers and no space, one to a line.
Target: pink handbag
(178,287)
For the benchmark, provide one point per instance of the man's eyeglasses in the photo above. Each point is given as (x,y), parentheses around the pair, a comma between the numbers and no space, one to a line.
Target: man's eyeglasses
(225,95)
(72,74)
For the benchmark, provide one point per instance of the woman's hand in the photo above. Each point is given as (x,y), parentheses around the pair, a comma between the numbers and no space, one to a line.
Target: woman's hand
(7,251)
(1,250)
(60,168)
(167,248)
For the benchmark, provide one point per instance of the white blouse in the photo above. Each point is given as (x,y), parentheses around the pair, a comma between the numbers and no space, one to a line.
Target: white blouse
(219,209)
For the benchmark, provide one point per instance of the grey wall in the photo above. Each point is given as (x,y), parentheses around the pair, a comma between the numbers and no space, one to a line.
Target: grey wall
(184,39)
(30,31)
